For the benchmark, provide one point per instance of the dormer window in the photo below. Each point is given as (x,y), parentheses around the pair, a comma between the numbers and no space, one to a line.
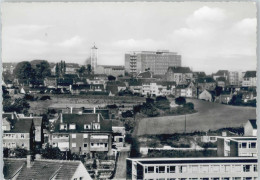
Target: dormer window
(96,126)
(87,126)
(63,127)
(72,126)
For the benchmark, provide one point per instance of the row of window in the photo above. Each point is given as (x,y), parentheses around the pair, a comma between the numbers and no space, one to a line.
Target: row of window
(216,178)
(200,168)
(95,126)
(247,145)
(85,145)
(13,136)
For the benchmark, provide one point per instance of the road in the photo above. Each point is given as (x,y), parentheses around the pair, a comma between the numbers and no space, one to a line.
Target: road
(121,165)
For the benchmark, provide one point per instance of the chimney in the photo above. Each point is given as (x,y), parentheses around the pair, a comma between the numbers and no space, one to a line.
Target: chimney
(224,133)
(29,161)
(12,116)
(61,118)
(94,111)
(71,108)
(98,118)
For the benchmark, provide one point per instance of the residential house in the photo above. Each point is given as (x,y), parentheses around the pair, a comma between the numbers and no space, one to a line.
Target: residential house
(157,88)
(249,95)
(233,78)
(249,79)
(50,82)
(145,75)
(179,74)
(186,90)
(135,86)
(79,88)
(82,133)
(113,87)
(72,68)
(221,82)
(111,70)
(250,128)
(119,133)
(25,169)
(206,95)
(206,83)
(237,146)
(18,133)
(198,74)
(203,168)
(221,73)
(224,97)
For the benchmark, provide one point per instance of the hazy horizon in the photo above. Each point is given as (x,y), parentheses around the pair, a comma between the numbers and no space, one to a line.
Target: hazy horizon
(209,35)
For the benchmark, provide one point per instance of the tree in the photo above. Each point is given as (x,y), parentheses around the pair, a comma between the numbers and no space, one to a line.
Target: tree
(19,105)
(180,100)
(218,90)
(57,70)
(128,113)
(189,106)
(162,103)
(89,69)
(111,78)
(237,99)
(24,70)
(42,70)
(129,124)
(82,70)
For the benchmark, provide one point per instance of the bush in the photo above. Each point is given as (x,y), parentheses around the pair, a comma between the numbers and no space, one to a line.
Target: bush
(43,98)
(127,114)
(180,100)
(29,97)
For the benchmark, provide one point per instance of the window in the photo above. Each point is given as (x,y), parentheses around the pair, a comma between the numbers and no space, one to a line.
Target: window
(92,144)
(183,169)
(253,145)
(73,136)
(236,178)
(87,126)
(85,145)
(72,126)
(149,169)
(22,135)
(212,138)
(195,168)
(244,145)
(227,168)
(160,169)
(170,169)
(120,139)
(246,168)
(255,168)
(63,126)
(85,135)
(96,126)
(73,145)
(81,178)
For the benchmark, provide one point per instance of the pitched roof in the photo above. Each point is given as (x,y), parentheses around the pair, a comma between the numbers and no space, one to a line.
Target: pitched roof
(80,120)
(206,80)
(12,166)
(222,73)
(146,75)
(37,121)
(253,123)
(135,83)
(80,86)
(72,65)
(22,126)
(221,79)
(180,69)
(249,74)
(112,88)
(47,169)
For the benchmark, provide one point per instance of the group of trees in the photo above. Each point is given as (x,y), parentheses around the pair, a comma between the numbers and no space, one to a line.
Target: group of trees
(60,69)
(83,70)
(32,70)
(18,105)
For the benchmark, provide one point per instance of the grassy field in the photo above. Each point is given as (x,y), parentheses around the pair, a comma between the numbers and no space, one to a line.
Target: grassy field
(209,116)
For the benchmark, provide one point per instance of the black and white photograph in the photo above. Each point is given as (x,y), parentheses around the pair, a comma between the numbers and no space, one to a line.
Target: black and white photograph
(129,90)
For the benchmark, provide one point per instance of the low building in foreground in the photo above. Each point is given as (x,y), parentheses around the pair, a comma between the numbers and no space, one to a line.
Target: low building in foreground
(25,169)
(210,168)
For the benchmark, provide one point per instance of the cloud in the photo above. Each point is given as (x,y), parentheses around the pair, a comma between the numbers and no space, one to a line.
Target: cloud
(72,42)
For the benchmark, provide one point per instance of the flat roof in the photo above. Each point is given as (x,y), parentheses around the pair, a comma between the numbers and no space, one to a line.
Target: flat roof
(195,160)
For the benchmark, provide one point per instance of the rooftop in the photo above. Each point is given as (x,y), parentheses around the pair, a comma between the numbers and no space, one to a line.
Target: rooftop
(253,123)
(180,69)
(249,74)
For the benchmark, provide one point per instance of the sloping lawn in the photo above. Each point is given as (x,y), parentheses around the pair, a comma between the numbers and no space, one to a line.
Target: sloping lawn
(209,116)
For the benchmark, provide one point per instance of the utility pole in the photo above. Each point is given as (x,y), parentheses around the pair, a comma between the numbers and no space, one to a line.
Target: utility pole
(185,124)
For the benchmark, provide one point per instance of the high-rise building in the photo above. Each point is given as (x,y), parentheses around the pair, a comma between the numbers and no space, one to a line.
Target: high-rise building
(93,58)
(157,61)
(234,78)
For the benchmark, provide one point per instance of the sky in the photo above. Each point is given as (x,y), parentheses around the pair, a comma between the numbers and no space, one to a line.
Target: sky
(209,36)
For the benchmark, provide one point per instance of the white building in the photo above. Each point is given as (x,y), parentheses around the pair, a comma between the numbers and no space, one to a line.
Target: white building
(250,128)
(249,79)
(94,58)
(210,168)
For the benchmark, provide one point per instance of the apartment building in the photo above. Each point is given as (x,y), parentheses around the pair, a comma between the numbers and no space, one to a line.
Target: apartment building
(18,133)
(158,88)
(233,78)
(249,79)
(179,74)
(111,70)
(157,61)
(206,168)
(82,133)
(237,146)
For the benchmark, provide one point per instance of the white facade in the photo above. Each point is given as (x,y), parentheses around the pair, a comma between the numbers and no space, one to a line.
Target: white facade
(94,58)
(193,168)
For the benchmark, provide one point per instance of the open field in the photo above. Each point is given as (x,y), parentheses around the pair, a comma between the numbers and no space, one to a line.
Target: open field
(209,116)
(90,101)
